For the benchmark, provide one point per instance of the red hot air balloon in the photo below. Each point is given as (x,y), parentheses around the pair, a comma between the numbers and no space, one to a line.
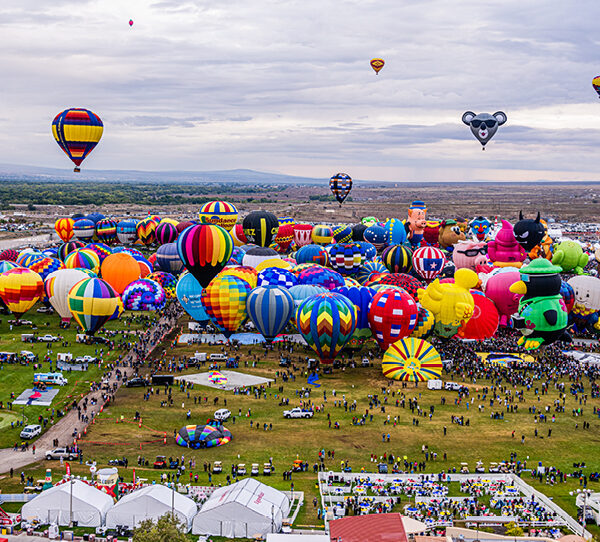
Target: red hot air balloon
(393,315)
(130,22)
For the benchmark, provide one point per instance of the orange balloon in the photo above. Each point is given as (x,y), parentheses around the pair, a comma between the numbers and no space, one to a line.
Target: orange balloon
(120,270)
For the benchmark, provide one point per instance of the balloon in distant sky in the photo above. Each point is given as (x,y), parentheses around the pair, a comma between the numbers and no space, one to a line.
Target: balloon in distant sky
(77,132)
(483,125)
(340,185)
(596,84)
(130,22)
(377,64)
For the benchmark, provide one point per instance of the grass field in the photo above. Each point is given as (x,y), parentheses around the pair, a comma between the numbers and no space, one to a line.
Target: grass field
(484,439)
(15,378)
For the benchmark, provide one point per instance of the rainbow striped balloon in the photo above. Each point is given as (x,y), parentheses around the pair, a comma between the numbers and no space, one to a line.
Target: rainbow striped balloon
(92,303)
(77,132)
(327,322)
(224,300)
(146,229)
(84,258)
(20,289)
(204,249)
(413,360)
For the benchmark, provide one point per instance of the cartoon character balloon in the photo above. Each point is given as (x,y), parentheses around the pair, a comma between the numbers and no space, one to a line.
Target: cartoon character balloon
(480,227)
(470,255)
(417,220)
(483,125)
(570,257)
(497,288)
(504,250)
(543,314)
(528,232)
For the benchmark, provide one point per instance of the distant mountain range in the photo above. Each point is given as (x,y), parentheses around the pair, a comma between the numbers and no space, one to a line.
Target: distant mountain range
(14,172)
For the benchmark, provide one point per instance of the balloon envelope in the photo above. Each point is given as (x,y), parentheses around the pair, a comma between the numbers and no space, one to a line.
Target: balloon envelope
(77,132)
(270,309)
(92,302)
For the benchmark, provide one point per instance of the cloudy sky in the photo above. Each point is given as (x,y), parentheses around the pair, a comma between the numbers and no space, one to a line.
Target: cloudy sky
(286,86)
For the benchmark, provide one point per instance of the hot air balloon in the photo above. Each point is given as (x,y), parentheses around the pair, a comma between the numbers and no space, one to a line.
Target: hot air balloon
(407,282)
(327,322)
(237,234)
(144,295)
(20,289)
(84,229)
(120,270)
(260,227)
(203,436)
(224,300)
(145,230)
(413,360)
(127,231)
(204,249)
(189,294)
(101,250)
(77,132)
(302,234)
(167,258)
(273,276)
(393,315)
(321,276)
(312,254)
(340,185)
(396,231)
(9,255)
(361,297)
(377,64)
(221,213)
(106,230)
(244,272)
(596,84)
(64,228)
(322,235)
(376,235)
(285,234)
(257,255)
(397,258)
(428,262)
(346,258)
(95,217)
(57,286)
(304,291)
(484,322)
(130,22)
(83,258)
(66,248)
(166,280)
(369,269)
(6,265)
(45,266)
(342,233)
(483,125)
(92,303)
(166,233)
(270,309)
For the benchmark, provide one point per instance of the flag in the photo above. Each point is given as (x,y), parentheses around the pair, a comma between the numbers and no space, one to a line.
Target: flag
(133,476)
(68,468)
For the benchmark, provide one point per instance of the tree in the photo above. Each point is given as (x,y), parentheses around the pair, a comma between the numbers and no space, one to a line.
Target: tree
(512,529)
(166,529)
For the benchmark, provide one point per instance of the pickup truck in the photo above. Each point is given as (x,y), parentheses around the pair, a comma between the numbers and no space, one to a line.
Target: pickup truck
(297,413)
(57,453)
(48,338)
(85,359)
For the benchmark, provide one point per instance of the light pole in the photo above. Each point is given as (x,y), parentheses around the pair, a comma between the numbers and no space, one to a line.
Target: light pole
(173,500)
(71,503)
(586,493)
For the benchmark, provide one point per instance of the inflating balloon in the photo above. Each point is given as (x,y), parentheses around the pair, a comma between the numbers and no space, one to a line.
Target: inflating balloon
(167,258)
(273,276)
(412,360)
(504,250)
(224,300)
(270,309)
(189,294)
(312,254)
(326,322)
(203,436)
(145,230)
(322,235)
(221,213)
(92,303)
(260,227)
(77,132)
(480,227)
(20,289)
(484,322)
(127,231)
(497,288)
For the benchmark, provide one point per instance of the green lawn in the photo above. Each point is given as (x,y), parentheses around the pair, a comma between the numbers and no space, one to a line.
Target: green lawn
(15,378)
(484,439)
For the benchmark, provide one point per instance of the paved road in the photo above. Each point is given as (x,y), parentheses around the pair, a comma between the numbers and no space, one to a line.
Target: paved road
(29,241)
(63,428)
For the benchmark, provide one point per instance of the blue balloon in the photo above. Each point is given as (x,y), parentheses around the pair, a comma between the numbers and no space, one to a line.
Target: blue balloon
(275,276)
(270,309)
(367,249)
(396,231)
(360,297)
(189,293)
(312,254)
(127,231)
(167,258)
(303,291)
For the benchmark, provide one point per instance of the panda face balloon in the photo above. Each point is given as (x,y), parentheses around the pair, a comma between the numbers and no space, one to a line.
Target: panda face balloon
(483,125)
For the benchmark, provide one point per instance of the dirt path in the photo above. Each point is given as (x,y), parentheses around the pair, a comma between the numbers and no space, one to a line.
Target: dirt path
(64,427)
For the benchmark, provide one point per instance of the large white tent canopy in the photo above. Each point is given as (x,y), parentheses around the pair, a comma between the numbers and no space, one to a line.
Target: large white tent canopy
(242,510)
(151,502)
(87,505)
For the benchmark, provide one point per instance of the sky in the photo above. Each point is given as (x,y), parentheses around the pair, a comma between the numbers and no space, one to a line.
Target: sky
(286,86)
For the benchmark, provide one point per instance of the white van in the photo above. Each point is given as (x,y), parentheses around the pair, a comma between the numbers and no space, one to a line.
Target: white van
(435,384)
(29,356)
(218,357)
(50,378)
(199,356)
(31,431)
(67,357)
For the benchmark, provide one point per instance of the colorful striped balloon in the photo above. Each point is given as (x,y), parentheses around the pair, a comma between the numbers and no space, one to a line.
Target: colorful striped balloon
(84,229)
(413,360)
(77,132)
(225,301)
(106,230)
(204,250)
(370,268)
(327,322)
(270,309)
(166,280)
(64,228)
(168,258)
(397,258)
(92,303)
(221,213)
(145,230)
(84,258)
(127,231)
(20,289)
(144,295)
(66,248)
(165,233)
(346,258)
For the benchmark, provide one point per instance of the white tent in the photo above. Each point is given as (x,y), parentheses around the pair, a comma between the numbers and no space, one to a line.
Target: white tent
(86,504)
(242,510)
(151,502)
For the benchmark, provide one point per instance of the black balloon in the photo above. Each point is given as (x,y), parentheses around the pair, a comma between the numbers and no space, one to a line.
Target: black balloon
(528,232)
(357,232)
(260,228)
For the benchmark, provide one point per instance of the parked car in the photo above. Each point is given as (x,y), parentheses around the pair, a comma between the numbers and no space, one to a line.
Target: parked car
(86,359)
(222,414)
(48,338)
(31,431)
(45,310)
(57,453)
(298,413)
(161,462)
(29,356)
(217,467)
(136,382)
